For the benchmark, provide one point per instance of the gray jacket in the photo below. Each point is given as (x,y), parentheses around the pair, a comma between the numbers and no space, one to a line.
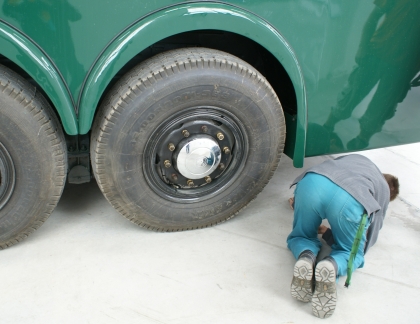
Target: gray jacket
(362,179)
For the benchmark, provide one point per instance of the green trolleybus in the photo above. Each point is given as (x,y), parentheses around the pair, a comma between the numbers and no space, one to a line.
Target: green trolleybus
(182,109)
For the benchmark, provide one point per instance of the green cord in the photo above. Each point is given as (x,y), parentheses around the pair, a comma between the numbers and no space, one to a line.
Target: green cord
(355,248)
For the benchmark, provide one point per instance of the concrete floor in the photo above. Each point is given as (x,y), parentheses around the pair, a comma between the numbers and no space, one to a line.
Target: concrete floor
(88,264)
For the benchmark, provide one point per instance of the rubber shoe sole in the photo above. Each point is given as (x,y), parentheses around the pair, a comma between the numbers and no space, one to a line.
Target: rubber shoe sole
(324,298)
(302,282)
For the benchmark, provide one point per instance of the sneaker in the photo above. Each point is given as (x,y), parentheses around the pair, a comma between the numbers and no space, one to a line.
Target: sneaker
(303,279)
(324,296)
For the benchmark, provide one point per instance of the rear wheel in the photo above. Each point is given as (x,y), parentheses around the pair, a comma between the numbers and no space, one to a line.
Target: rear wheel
(32,159)
(187,139)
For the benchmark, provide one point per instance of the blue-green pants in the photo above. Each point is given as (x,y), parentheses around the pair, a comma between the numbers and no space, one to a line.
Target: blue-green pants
(318,198)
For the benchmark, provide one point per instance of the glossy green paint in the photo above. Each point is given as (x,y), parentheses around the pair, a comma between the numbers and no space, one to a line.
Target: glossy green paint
(366,95)
(24,53)
(179,19)
(346,53)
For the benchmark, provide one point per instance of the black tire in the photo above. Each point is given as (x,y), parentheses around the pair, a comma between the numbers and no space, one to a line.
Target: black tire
(152,105)
(32,159)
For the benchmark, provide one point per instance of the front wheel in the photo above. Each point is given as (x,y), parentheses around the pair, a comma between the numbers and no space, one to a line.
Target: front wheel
(187,139)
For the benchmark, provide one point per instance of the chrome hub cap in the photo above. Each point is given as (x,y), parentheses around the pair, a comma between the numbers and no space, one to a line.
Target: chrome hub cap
(199,157)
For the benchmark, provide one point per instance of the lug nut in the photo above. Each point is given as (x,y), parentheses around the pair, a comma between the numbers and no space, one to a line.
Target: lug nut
(204,129)
(207,179)
(171,147)
(220,136)
(221,166)
(174,177)
(226,150)
(190,183)
(167,164)
(185,133)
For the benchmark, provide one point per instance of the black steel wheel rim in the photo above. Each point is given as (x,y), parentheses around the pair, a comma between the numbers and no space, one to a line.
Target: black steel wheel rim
(199,122)
(7,176)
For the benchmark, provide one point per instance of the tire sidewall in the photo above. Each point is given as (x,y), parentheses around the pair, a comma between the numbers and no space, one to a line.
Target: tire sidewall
(244,96)
(32,155)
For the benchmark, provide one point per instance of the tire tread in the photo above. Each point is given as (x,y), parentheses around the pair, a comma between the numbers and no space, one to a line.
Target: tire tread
(163,66)
(35,104)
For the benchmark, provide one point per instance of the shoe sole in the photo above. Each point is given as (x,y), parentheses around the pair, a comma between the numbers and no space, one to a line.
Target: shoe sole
(324,298)
(302,282)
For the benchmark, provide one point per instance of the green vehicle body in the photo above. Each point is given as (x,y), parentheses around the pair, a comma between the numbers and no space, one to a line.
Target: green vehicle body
(355,60)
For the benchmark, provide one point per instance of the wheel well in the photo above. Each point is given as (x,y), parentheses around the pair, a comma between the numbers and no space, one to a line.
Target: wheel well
(18,70)
(232,43)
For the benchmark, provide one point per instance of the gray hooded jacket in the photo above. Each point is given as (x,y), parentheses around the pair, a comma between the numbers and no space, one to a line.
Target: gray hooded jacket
(362,179)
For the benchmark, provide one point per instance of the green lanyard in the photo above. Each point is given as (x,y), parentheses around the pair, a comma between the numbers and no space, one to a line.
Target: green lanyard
(355,248)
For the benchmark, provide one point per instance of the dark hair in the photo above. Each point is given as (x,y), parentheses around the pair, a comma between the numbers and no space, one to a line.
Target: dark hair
(394,185)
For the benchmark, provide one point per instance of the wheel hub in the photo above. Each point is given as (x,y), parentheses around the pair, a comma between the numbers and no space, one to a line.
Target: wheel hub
(189,154)
(195,154)
(7,176)
(198,157)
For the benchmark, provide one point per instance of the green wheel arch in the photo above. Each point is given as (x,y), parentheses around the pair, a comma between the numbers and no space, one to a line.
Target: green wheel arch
(179,19)
(23,52)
